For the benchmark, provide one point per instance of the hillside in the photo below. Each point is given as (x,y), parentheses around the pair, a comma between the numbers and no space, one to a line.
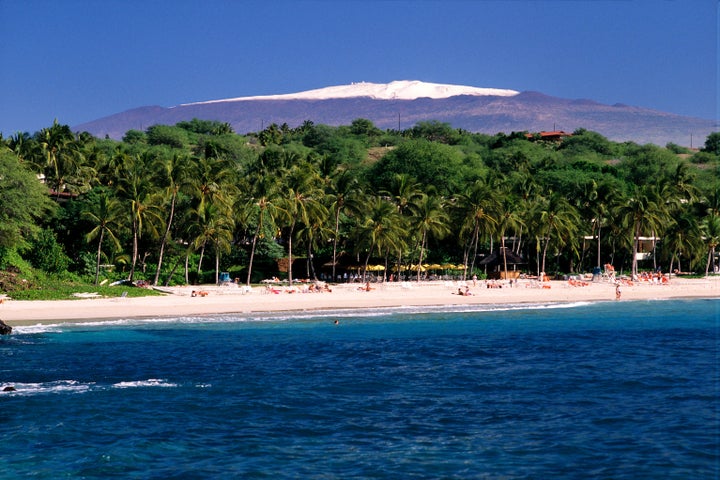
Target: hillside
(480,110)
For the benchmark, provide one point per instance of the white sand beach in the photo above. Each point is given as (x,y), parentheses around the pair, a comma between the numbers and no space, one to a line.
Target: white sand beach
(178,301)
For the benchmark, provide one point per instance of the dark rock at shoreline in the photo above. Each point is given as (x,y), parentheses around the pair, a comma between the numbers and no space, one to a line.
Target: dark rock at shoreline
(5,329)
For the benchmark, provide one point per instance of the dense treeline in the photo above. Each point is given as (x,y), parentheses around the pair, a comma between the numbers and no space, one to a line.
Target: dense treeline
(179,204)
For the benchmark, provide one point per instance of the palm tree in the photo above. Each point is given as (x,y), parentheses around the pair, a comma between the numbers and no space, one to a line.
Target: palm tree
(106,216)
(681,237)
(172,173)
(61,153)
(476,206)
(344,197)
(214,227)
(380,228)
(404,191)
(644,210)
(212,181)
(558,221)
(508,218)
(145,212)
(430,219)
(25,147)
(300,202)
(598,201)
(710,229)
(261,205)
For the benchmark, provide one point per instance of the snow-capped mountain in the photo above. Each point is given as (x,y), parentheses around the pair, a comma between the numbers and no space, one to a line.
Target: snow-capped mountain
(402,104)
(397,90)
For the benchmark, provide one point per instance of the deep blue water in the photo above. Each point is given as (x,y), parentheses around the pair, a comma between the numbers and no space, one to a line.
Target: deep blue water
(605,390)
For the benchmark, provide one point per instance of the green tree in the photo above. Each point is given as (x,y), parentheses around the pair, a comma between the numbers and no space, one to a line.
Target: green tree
(61,153)
(46,253)
(260,206)
(173,174)
(430,219)
(712,144)
(137,192)
(106,216)
(430,164)
(559,222)
(477,206)
(174,137)
(681,238)
(344,197)
(643,211)
(301,202)
(710,229)
(23,202)
(379,229)
(508,219)
(214,228)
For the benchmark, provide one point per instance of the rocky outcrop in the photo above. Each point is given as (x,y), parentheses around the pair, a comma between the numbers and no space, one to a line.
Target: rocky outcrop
(5,329)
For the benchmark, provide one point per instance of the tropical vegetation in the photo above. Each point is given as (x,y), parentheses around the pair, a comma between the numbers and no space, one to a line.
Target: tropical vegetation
(179,204)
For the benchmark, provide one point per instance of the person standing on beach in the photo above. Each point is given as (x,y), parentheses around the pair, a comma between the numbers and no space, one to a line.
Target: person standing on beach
(618,291)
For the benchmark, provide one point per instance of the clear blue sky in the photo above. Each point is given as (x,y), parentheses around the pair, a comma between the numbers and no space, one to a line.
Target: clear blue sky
(79,60)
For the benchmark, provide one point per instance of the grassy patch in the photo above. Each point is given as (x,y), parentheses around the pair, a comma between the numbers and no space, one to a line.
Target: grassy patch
(19,288)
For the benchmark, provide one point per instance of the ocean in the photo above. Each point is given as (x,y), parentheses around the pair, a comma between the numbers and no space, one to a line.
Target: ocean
(622,390)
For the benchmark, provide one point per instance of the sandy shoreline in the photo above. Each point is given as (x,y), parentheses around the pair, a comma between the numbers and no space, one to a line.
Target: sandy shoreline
(232,299)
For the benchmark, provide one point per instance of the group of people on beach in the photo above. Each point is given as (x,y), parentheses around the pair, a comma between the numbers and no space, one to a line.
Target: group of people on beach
(311,288)
(464,293)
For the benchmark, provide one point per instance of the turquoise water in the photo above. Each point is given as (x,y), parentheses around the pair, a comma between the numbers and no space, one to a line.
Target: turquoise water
(605,390)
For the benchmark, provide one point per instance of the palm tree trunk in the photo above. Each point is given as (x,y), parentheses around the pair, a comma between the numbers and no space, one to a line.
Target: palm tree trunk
(217,265)
(476,240)
(252,251)
(135,250)
(367,260)
(290,277)
(164,239)
(544,256)
(422,250)
(711,255)
(636,245)
(310,265)
(598,247)
(337,230)
(672,261)
(202,254)
(99,251)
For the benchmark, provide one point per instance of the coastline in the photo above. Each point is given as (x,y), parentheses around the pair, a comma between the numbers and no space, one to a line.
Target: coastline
(178,301)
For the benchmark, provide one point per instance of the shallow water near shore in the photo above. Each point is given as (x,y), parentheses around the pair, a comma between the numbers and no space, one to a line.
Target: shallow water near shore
(610,390)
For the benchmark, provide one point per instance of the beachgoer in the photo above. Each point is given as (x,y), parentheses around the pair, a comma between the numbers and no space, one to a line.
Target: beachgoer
(618,292)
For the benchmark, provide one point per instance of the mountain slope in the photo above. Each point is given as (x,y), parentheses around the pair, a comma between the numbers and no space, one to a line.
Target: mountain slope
(403,104)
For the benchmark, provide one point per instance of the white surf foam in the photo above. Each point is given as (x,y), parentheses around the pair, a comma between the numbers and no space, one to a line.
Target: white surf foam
(150,382)
(59,386)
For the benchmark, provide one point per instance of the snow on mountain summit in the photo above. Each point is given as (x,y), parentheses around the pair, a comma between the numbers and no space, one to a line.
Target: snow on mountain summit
(397,90)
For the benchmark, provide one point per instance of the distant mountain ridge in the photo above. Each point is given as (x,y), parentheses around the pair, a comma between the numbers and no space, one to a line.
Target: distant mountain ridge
(402,104)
